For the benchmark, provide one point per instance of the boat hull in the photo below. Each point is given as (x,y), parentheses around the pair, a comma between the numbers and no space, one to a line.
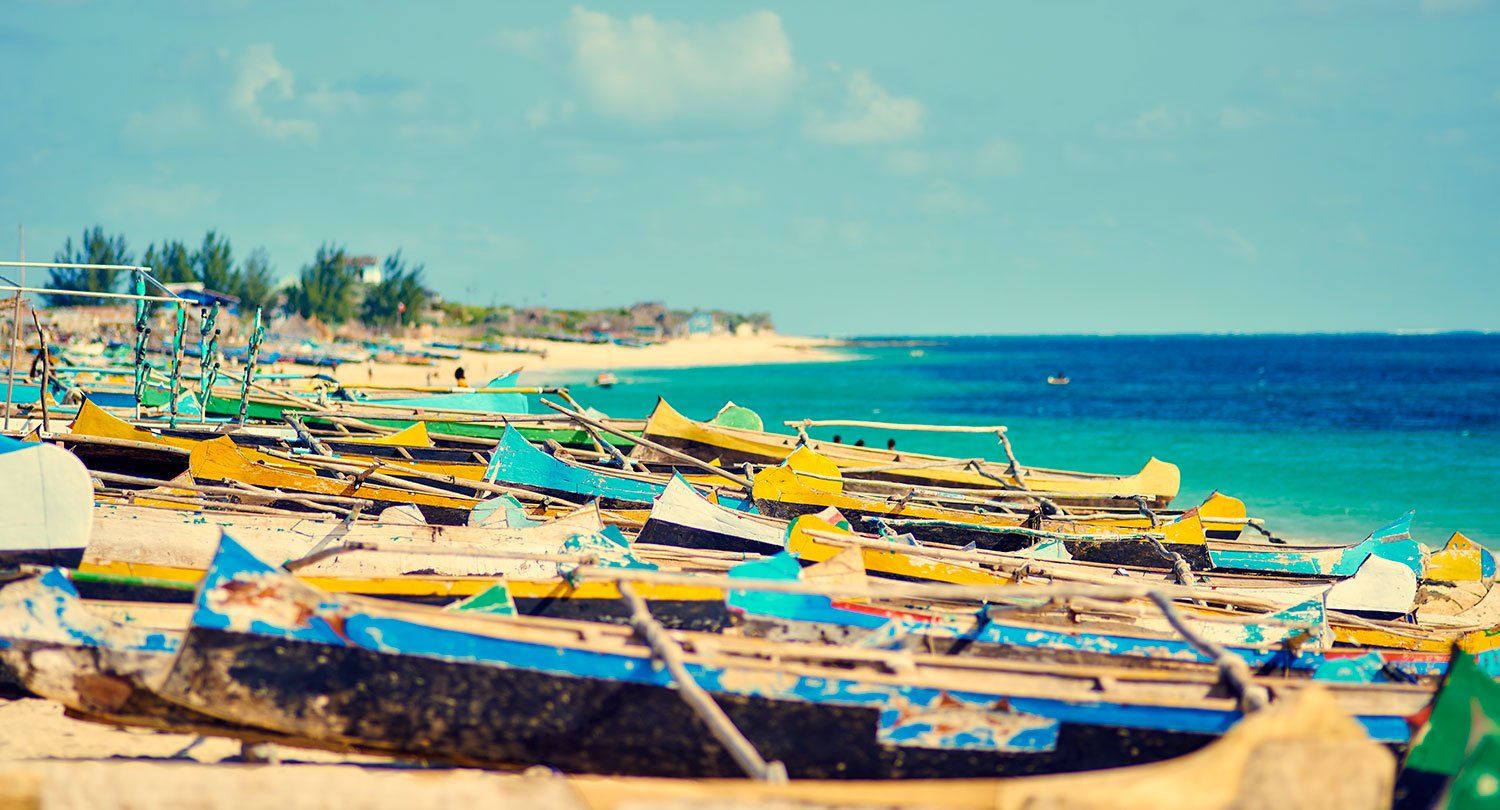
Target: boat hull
(489,716)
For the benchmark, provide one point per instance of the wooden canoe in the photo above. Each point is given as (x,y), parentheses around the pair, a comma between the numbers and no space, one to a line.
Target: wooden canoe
(1158,481)
(220,460)
(795,489)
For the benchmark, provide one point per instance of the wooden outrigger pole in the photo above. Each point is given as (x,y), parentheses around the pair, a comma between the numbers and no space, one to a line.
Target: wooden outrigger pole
(20,289)
(208,361)
(15,331)
(177,338)
(251,355)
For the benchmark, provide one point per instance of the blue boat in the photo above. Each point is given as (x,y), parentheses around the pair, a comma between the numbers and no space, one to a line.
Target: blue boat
(1293,640)
(268,650)
(517,462)
(1391,542)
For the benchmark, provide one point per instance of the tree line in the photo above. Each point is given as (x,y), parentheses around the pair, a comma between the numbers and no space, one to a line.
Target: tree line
(328,288)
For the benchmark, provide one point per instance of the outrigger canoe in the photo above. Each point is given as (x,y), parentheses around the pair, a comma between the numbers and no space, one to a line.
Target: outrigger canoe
(1158,481)
(266,650)
(807,483)
(1227,772)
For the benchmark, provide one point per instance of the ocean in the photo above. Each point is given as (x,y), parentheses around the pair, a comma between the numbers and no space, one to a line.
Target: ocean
(1325,436)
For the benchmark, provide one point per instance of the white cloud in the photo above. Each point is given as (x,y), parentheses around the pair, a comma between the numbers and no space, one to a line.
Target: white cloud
(1234,239)
(260,77)
(170,122)
(1237,118)
(869,114)
(944,198)
(646,71)
(999,157)
(1158,122)
(546,113)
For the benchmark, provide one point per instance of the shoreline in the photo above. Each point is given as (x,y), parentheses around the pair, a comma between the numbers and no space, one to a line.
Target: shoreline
(563,358)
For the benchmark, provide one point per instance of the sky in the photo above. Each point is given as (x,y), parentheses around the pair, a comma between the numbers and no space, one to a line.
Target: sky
(850,167)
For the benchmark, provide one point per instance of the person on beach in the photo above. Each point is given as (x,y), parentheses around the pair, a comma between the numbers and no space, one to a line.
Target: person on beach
(458,376)
(890,444)
(837,439)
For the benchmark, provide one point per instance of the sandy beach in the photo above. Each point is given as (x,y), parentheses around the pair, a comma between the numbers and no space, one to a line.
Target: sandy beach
(49,760)
(556,358)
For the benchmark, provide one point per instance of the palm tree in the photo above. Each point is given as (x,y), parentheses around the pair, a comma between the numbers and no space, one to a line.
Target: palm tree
(325,288)
(95,247)
(399,298)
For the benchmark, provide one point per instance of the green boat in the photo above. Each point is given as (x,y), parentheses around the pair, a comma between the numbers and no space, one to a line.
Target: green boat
(1454,758)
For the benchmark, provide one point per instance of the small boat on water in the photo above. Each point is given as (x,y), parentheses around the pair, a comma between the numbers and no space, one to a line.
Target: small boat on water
(1058,379)
(606,379)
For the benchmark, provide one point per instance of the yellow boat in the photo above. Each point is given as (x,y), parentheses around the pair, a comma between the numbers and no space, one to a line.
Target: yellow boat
(94,422)
(808,482)
(220,460)
(1158,481)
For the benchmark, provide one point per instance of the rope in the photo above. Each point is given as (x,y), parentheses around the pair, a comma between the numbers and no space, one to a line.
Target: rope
(1040,534)
(1232,668)
(1270,538)
(1181,570)
(665,648)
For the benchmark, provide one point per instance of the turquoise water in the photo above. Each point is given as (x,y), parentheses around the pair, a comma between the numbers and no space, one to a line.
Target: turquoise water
(1324,436)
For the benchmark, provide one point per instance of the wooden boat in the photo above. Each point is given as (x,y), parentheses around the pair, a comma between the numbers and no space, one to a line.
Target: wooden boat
(518,463)
(109,443)
(1293,738)
(220,460)
(267,650)
(797,488)
(1294,640)
(1460,560)
(682,517)
(58,649)
(1457,743)
(145,536)
(1392,542)
(1158,481)
(48,496)
(1310,724)
(143,553)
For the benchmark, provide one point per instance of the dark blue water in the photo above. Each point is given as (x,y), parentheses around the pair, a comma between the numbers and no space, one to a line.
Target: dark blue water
(1324,435)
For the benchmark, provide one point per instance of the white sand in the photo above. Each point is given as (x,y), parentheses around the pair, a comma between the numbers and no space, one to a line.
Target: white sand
(51,762)
(718,350)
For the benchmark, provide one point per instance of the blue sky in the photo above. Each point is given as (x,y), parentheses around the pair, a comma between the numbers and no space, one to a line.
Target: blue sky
(851,167)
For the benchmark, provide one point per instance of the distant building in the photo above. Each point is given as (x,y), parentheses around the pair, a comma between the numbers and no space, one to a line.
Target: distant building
(701,324)
(648,319)
(369,269)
